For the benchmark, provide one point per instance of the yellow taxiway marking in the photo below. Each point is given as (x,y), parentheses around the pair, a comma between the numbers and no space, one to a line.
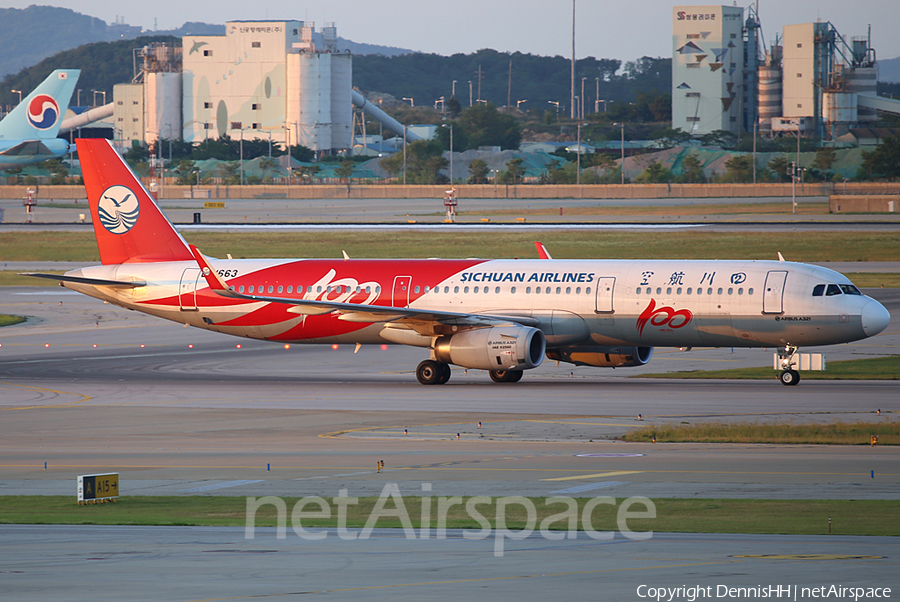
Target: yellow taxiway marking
(83,397)
(598,475)
(584,423)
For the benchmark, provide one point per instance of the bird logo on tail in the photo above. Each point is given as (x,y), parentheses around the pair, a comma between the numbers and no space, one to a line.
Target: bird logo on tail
(118,209)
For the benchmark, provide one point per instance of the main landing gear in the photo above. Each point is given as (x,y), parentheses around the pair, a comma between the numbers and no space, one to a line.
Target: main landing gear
(506,376)
(788,376)
(431,372)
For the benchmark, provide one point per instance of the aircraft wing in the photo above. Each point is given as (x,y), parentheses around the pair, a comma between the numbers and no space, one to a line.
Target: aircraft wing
(27,148)
(417,319)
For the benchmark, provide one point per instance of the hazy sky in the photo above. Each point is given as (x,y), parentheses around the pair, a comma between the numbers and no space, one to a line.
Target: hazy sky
(605,28)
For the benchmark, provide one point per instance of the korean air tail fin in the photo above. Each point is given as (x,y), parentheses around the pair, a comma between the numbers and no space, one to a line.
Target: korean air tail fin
(128,224)
(40,114)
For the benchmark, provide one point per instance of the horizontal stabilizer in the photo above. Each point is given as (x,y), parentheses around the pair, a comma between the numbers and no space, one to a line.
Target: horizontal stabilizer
(28,148)
(82,280)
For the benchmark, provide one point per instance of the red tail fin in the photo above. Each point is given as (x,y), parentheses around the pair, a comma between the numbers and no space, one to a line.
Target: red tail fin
(129,226)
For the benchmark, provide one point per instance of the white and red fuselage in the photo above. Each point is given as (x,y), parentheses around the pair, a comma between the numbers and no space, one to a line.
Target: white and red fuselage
(500,315)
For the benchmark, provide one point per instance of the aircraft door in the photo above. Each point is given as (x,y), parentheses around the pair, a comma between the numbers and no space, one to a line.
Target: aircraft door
(773,297)
(187,291)
(400,296)
(605,288)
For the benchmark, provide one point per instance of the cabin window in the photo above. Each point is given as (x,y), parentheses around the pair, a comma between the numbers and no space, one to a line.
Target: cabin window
(537,290)
(250,290)
(849,289)
(291,289)
(568,290)
(446,289)
(587,291)
(496,290)
(241,289)
(578,290)
(730,291)
(637,291)
(527,290)
(749,291)
(427,288)
(271,288)
(280,288)
(710,291)
(818,290)
(678,292)
(558,290)
(416,290)
(475,290)
(832,290)
(455,289)
(318,289)
(466,289)
(658,290)
(377,289)
(689,290)
(669,291)
(741,291)
(358,289)
(513,290)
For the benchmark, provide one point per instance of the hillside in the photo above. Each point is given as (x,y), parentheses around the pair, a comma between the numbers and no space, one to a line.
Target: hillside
(60,29)
(889,70)
(424,77)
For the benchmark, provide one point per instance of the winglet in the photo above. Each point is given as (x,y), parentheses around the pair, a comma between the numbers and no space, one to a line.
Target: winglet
(214,281)
(542,250)
(780,256)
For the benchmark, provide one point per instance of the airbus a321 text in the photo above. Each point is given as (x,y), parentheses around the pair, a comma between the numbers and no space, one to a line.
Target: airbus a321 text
(504,316)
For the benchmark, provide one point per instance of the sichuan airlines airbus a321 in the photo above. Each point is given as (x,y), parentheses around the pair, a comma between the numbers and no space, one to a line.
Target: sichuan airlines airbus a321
(504,316)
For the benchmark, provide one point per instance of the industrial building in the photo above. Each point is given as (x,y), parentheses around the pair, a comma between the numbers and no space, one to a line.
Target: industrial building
(273,80)
(810,79)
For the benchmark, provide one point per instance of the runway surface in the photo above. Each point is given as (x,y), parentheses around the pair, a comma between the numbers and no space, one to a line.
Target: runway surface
(89,388)
(175,410)
(193,564)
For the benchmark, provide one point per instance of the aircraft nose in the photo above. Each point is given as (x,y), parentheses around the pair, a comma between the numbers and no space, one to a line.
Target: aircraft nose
(875,318)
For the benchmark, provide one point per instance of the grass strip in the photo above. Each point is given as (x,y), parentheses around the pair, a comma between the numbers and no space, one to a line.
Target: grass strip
(876,368)
(809,208)
(8,320)
(798,517)
(450,243)
(834,433)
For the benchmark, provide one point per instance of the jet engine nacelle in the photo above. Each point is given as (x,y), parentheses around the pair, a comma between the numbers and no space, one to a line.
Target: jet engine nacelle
(604,357)
(494,348)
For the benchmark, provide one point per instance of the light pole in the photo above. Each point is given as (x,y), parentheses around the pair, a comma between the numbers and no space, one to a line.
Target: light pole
(622,167)
(470,92)
(79,97)
(578,150)
(411,102)
(582,97)
(453,89)
(597,95)
(556,104)
(450,125)
(519,102)
(19,92)
(404,155)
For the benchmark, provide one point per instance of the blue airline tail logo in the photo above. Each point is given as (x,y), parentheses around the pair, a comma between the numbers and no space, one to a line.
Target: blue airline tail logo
(118,209)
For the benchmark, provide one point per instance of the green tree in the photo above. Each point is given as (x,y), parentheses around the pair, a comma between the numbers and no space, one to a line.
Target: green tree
(514,171)
(779,167)
(344,171)
(655,173)
(692,170)
(484,125)
(825,158)
(267,163)
(478,172)
(231,172)
(453,107)
(720,138)
(739,168)
(184,171)
(307,173)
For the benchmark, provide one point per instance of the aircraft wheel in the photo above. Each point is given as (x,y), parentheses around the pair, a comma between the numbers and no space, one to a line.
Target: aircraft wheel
(506,376)
(429,373)
(445,373)
(789,377)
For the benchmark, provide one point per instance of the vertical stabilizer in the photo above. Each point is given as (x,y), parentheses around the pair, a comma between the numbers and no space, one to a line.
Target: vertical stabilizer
(40,114)
(129,225)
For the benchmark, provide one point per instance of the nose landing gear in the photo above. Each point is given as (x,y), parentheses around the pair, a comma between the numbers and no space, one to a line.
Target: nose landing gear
(788,376)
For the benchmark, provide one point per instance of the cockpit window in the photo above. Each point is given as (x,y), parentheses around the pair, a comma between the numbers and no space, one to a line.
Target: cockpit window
(818,290)
(832,290)
(849,289)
